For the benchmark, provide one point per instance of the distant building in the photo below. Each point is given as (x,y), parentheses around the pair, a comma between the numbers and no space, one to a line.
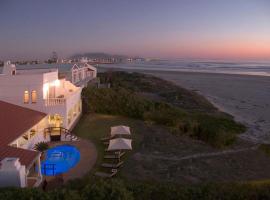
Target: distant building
(82,73)
(83,60)
(54,58)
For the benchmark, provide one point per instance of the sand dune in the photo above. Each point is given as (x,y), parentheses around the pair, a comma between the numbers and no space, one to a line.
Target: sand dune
(245,97)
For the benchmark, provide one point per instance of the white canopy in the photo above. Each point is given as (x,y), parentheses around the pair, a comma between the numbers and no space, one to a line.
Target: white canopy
(120,144)
(120,130)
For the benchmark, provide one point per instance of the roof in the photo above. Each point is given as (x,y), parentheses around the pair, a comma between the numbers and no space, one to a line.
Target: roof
(120,130)
(81,66)
(16,120)
(26,156)
(120,144)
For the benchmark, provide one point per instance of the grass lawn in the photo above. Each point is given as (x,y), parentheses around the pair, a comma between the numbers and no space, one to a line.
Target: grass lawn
(96,126)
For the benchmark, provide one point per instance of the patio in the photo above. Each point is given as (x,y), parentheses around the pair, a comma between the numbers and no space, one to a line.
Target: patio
(87,161)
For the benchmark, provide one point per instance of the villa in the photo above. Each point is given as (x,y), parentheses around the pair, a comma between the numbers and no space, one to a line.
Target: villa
(36,106)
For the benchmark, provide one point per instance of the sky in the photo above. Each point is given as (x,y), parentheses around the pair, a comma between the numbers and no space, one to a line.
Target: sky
(211,29)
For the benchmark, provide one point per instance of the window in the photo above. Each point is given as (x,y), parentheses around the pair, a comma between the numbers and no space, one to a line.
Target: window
(34,96)
(26,97)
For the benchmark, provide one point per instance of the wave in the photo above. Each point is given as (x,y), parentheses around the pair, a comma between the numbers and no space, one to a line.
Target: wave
(261,68)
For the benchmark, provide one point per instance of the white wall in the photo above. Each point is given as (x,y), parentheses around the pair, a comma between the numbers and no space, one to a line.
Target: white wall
(12,173)
(12,88)
(50,77)
(71,103)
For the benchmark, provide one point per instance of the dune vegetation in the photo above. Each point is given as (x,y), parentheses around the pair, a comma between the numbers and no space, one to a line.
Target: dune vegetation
(160,102)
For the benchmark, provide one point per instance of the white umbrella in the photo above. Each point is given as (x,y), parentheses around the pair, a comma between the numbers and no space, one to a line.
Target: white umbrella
(120,130)
(120,144)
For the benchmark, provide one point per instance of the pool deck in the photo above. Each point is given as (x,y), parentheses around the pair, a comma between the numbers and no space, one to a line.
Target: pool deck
(87,161)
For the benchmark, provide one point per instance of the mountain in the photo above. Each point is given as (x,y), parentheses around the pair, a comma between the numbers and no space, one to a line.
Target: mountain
(97,55)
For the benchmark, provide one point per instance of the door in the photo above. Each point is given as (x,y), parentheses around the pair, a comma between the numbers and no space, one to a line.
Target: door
(52,92)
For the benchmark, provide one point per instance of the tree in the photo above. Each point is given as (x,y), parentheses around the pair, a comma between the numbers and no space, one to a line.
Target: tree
(41,146)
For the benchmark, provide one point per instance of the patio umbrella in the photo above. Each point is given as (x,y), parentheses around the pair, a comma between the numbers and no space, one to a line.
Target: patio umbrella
(120,144)
(120,130)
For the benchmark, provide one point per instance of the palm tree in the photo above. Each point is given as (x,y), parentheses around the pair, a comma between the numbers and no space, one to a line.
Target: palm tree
(41,146)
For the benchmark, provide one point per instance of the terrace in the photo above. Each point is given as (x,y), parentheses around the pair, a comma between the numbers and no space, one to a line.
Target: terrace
(59,92)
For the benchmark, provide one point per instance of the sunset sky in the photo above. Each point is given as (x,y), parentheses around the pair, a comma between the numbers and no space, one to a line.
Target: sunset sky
(224,29)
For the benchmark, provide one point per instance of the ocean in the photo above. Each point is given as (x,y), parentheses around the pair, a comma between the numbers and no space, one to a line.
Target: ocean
(261,68)
(225,67)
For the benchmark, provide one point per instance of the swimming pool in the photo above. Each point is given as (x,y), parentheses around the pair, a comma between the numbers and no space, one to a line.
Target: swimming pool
(59,160)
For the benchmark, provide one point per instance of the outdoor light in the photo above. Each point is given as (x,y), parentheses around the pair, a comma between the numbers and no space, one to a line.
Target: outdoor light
(45,87)
(57,83)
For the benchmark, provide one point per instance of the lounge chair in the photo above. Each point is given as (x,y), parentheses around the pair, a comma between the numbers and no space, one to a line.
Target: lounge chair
(105,139)
(113,156)
(113,151)
(112,165)
(106,175)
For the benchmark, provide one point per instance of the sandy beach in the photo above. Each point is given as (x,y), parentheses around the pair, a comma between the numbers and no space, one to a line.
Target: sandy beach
(243,96)
(246,97)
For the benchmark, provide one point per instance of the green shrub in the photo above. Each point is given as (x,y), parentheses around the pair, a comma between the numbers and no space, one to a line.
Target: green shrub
(265,148)
(110,190)
(116,189)
(41,146)
(185,116)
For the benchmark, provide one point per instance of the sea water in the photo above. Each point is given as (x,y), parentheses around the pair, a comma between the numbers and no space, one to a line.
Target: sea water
(261,68)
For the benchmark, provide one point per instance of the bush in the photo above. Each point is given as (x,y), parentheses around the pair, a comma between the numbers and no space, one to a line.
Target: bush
(41,146)
(215,128)
(22,194)
(119,190)
(110,190)
(117,102)
(265,148)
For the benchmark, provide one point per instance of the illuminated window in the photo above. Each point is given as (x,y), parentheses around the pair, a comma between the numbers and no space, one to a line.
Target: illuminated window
(26,97)
(34,96)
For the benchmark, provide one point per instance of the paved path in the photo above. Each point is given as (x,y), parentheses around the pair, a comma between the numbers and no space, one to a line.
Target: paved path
(200,155)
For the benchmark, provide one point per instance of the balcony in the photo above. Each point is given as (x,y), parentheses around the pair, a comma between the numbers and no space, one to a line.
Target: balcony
(55,101)
(64,99)
(60,93)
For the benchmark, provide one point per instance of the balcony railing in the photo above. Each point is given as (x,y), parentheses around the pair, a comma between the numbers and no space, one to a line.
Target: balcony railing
(55,101)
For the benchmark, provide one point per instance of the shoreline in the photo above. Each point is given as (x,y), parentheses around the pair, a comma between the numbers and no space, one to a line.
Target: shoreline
(245,97)
(259,74)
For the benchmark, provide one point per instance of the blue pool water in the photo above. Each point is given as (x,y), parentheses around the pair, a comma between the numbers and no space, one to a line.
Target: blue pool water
(59,160)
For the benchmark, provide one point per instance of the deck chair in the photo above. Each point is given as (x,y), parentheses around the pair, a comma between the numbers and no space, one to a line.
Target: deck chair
(105,139)
(112,165)
(113,156)
(106,175)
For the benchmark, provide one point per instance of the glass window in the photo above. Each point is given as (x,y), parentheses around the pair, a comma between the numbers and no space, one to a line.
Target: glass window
(34,96)
(26,97)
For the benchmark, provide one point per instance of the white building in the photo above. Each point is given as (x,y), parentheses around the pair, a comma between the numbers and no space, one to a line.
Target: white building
(20,129)
(82,73)
(35,106)
(41,90)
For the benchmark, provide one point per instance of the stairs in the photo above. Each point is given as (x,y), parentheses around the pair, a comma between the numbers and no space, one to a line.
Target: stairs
(70,137)
(65,134)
